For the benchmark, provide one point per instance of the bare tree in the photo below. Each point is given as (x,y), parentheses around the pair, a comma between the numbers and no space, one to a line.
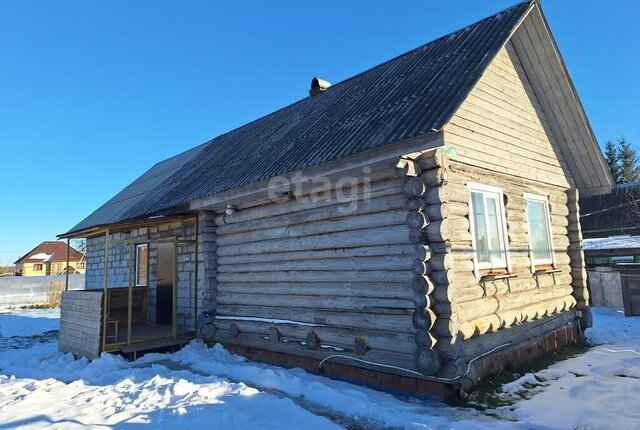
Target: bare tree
(79,245)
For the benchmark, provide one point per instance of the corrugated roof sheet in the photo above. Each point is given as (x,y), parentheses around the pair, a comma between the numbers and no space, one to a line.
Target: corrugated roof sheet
(122,204)
(617,212)
(408,96)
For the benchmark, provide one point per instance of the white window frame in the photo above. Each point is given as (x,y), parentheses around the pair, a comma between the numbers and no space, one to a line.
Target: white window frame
(138,247)
(543,199)
(475,187)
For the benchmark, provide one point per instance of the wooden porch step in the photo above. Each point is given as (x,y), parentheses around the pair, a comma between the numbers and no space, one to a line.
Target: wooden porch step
(157,344)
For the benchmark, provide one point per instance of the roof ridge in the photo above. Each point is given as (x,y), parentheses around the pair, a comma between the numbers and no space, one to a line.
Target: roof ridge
(340,83)
(450,34)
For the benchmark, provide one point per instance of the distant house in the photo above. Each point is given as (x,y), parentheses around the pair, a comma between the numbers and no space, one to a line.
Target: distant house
(418,220)
(50,258)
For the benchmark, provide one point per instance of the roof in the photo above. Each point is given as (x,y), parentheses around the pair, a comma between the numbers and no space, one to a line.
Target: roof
(53,251)
(123,204)
(411,95)
(617,212)
(615,242)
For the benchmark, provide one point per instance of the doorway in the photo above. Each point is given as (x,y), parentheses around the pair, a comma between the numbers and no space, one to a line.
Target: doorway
(165,273)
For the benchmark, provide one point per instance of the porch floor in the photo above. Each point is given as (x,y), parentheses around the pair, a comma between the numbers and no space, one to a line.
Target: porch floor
(145,337)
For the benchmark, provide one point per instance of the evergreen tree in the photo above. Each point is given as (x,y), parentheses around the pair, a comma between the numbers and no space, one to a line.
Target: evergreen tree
(612,157)
(628,162)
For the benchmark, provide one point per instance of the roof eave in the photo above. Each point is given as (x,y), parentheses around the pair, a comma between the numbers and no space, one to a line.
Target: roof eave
(596,148)
(412,146)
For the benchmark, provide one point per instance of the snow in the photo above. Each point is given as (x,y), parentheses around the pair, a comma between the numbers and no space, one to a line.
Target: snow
(41,256)
(599,389)
(613,242)
(28,322)
(200,387)
(269,320)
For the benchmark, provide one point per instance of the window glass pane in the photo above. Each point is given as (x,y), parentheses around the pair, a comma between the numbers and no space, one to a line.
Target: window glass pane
(539,230)
(141,264)
(493,222)
(479,228)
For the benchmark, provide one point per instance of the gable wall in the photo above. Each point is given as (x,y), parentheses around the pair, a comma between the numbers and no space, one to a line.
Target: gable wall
(474,317)
(501,127)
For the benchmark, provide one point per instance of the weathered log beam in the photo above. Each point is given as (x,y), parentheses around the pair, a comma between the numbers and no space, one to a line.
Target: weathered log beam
(389,235)
(347,223)
(348,252)
(299,300)
(391,262)
(374,290)
(474,309)
(319,276)
(376,189)
(493,322)
(376,339)
(401,323)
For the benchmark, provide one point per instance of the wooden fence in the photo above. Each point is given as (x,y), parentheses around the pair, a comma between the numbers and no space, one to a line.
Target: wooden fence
(630,276)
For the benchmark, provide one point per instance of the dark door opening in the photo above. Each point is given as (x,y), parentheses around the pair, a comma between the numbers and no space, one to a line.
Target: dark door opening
(164,292)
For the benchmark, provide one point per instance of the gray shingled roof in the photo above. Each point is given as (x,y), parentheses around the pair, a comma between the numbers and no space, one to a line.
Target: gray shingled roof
(410,95)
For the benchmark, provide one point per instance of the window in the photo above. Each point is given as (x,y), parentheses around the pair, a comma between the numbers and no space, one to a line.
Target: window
(142,261)
(488,227)
(81,265)
(539,221)
(37,267)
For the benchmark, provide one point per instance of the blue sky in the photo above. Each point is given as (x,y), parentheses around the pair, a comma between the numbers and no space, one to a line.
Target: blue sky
(95,92)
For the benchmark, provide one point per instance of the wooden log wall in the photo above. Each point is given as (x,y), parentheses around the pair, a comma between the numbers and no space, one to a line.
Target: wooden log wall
(338,275)
(576,254)
(467,308)
(81,323)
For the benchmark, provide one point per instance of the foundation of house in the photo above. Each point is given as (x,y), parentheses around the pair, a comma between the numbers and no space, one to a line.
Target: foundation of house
(513,356)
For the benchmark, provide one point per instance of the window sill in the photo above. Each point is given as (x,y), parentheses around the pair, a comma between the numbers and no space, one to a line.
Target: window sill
(541,272)
(496,276)
(490,277)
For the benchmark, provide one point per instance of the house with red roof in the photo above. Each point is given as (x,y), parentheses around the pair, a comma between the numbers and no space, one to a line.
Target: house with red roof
(50,258)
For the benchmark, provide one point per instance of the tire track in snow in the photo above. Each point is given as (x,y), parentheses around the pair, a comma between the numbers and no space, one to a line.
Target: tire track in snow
(338,418)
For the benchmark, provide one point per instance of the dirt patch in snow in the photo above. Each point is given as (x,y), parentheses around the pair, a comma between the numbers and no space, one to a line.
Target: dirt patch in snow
(24,342)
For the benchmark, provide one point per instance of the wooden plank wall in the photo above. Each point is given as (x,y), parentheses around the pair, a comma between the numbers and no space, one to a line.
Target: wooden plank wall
(501,126)
(539,57)
(81,323)
(336,277)
(501,136)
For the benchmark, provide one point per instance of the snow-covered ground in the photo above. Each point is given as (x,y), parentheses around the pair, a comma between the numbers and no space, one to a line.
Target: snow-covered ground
(201,387)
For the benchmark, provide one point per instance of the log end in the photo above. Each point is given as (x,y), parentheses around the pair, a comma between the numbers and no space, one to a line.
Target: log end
(423,319)
(274,335)
(427,361)
(312,340)
(361,346)
(414,187)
